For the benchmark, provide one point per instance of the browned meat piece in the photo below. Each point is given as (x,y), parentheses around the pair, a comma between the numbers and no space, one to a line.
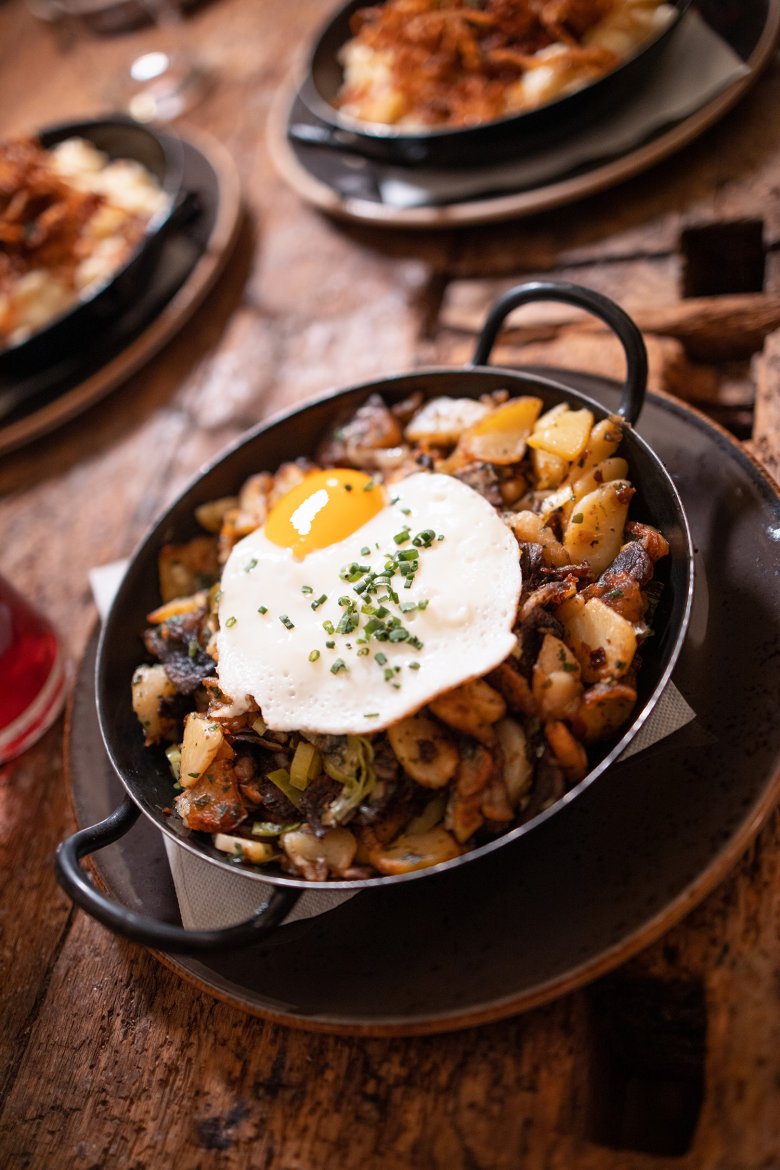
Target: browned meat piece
(482,478)
(176,644)
(654,544)
(372,426)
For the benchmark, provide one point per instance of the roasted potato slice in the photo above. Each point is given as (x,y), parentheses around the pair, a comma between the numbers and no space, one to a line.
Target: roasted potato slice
(424,750)
(502,435)
(441,421)
(557,689)
(565,433)
(413,851)
(595,529)
(603,641)
(472,708)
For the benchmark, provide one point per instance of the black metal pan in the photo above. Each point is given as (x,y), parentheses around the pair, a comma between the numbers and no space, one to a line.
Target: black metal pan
(146,774)
(487,142)
(75,329)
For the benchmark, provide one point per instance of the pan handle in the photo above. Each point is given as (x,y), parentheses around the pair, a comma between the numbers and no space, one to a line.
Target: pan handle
(593,302)
(162,936)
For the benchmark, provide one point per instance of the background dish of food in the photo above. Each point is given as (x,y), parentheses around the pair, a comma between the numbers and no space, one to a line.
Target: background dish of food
(463,145)
(77,327)
(192,257)
(358,189)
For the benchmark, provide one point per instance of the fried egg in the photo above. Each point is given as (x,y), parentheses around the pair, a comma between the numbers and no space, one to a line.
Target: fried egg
(355,604)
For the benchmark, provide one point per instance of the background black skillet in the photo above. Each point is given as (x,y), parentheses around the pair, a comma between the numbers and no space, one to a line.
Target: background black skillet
(585,890)
(348,186)
(178,255)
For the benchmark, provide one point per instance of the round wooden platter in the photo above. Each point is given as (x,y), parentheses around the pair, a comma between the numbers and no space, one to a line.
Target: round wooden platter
(607,875)
(309,174)
(209,238)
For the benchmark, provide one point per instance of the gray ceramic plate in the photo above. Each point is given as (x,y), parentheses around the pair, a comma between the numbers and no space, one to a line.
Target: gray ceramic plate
(584,891)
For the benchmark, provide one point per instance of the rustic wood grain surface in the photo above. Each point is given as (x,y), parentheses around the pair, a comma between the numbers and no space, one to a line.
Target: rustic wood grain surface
(107,1059)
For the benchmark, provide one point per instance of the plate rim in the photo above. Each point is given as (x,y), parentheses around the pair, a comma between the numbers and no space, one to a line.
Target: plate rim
(193,971)
(520,204)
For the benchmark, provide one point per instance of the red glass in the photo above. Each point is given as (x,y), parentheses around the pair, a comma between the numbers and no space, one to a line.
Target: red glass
(32,674)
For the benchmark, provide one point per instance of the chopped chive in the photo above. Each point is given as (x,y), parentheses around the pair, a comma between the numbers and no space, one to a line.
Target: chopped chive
(380,658)
(414,665)
(306,589)
(231,622)
(338,665)
(365,550)
(262,609)
(362,651)
(283,618)
(578,519)
(371,715)
(320,601)
(401,537)
(252,565)
(328,627)
(330,644)
(314,655)
(368,487)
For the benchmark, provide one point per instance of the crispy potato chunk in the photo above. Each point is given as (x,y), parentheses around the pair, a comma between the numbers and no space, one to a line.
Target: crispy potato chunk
(565,433)
(518,770)
(595,529)
(413,851)
(556,680)
(213,804)
(186,568)
(258,852)
(502,435)
(316,857)
(472,708)
(150,687)
(424,750)
(604,708)
(202,740)
(568,751)
(603,641)
(464,815)
(441,421)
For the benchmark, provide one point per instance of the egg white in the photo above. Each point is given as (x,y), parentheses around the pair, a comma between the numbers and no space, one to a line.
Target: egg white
(470,580)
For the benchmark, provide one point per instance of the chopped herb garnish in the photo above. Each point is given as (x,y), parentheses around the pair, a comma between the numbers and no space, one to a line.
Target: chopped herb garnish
(414,665)
(578,518)
(338,665)
(283,618)
(252,565)
(306,589)
(380,658)
(365,551)
(330,644)
(314,655)
(262,609)
(320,601)
(231,622)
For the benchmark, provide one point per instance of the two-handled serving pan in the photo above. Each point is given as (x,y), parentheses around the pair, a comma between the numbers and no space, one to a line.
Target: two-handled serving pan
(145,772)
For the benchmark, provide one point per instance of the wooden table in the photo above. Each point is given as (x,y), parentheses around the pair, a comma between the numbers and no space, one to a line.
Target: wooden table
(109,1059)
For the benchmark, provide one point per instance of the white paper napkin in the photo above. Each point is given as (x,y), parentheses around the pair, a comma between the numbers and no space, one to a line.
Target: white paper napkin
(210,897)
(697,65)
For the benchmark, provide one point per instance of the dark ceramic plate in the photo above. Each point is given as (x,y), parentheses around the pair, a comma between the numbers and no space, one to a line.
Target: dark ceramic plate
(468,145)
(598,881)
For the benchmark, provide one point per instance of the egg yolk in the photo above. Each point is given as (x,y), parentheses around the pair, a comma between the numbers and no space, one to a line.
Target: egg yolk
(323,509)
